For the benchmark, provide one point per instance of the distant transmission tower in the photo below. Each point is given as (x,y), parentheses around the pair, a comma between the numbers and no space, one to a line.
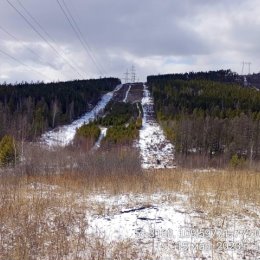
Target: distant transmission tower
(243,67)
(246,64)
(126,76)
(249,67)
(133,74)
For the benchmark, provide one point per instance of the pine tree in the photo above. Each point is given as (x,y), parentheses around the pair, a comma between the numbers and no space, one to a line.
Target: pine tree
(7,150)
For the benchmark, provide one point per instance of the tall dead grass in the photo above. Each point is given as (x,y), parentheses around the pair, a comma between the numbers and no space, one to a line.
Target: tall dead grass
(43,202)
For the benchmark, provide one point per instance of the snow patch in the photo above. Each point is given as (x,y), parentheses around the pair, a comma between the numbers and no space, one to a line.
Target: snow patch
(138,222)
(156,151)
(101,137)
(172,229)
(126,94)
(64,135)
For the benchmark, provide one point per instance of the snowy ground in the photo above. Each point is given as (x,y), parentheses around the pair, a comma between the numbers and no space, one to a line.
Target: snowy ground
(126,94)
(172,230)
(101,137)
(165,226)
(156,151)
(62,136)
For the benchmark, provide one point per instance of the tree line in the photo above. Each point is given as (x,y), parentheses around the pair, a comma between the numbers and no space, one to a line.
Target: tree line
(226,76)
(209,116)
(29,109)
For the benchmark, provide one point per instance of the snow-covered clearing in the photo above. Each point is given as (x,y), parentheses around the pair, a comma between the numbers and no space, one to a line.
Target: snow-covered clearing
(161,225)
(126,94)
(164,225)
(63,135)
(101,137)
(156,151)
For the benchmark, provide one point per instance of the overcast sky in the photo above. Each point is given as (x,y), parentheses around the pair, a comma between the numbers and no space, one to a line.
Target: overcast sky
(156,36)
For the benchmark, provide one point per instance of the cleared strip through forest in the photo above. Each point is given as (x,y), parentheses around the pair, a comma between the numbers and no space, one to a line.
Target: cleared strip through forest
(63,136)
(126,94)
(156,151)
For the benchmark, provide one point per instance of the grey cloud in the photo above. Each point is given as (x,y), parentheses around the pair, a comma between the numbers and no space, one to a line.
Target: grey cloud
(122,33)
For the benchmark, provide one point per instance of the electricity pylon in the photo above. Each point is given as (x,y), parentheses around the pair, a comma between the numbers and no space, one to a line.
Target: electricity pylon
(133,74)
(126,76)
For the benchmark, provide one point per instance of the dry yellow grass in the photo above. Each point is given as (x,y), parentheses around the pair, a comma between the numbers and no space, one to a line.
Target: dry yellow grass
(44,216)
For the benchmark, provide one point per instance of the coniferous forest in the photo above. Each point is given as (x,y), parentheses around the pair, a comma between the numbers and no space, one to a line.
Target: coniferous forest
(209,114)
(29,109)
(122,120)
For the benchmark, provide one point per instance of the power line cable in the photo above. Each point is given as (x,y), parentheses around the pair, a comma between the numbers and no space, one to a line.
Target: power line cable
(35,20)
(21,42)
(74,28)
(87,46)
(43,38)
(76,32)
(22,63)
(43,29)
